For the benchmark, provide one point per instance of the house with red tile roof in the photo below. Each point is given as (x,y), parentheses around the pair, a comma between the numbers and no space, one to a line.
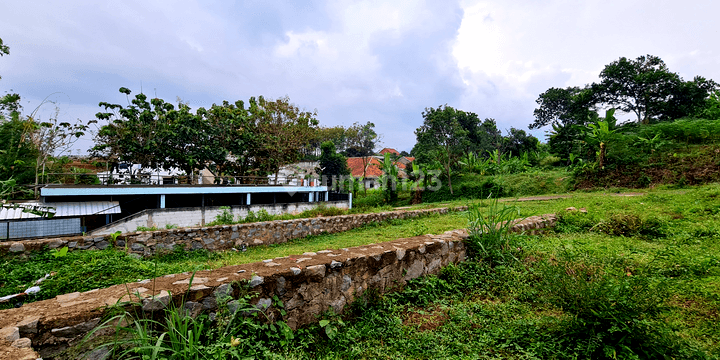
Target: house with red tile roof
(389,150)
(369,167)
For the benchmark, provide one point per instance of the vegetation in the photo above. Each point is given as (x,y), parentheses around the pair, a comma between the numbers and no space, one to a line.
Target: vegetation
(104,268)
(332,165)
(635,277)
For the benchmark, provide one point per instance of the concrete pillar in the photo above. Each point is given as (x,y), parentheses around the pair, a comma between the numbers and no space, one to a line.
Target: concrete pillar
(350,201)
(162,201)
(327,196)
(310,196)
(248,199)
(202,211)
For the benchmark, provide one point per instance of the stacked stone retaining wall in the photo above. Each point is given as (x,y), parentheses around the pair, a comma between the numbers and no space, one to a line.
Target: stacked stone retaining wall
(308,284)
(218,238)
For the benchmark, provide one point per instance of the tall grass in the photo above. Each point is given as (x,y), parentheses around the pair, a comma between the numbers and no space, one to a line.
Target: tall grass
(490,229)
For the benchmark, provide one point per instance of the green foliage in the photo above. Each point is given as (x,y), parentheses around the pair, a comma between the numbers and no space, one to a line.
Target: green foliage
(614,315)
(332,165)
(113,238)
(687,131)
(145,228)
(361,140)
(632,225)
(17,154)
(59,253)
(223,218)
(711,110)
(390,178)
(261,138)
(443,135)
(489,230)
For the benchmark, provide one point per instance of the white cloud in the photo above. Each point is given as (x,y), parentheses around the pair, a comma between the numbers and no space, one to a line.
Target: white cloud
(380,61)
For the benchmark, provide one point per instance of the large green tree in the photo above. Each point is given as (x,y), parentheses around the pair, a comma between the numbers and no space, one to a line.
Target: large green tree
(646,87)
(442,134)
(234,135)
(138,133)
(562,107)
(518,142)
(283,130)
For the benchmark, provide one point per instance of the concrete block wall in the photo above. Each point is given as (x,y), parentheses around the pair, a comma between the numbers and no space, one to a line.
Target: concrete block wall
(194,216)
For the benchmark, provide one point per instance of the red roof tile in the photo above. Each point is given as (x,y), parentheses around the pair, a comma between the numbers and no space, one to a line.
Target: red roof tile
(373,167)
(389,150)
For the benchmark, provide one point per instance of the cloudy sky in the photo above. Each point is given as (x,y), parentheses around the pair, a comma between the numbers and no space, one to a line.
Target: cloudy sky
(353,61)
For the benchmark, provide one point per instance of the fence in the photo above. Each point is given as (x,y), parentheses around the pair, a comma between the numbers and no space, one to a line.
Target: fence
(36,228)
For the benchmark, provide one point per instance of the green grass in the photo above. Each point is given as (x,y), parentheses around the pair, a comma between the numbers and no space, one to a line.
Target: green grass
(635,277)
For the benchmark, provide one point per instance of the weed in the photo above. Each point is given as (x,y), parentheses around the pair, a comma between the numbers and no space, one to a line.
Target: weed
(144,228)
(490,231)
(59,253)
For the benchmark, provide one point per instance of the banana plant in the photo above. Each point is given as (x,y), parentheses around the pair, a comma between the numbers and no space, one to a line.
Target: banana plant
(599,134)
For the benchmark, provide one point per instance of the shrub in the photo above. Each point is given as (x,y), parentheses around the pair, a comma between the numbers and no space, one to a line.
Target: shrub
(614,315)
(223,218)
(632,225)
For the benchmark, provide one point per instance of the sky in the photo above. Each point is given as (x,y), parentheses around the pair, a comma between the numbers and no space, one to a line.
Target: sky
(352,61)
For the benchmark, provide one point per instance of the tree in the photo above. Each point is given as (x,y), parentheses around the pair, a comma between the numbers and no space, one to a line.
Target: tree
(711,109)
(518,142)
(640,86)
(336,134)
(599,135)
(52,138)
(235,135)
(332,165)
(569,106)
(389,178)
(189,139)
(489,137)
(4,50)
(283,130)
(441,131)
(136,134)
(17,153)
(688,99)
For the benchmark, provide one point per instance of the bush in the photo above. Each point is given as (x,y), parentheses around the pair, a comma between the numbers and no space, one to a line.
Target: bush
(224,218)
(614,315)
(632,225)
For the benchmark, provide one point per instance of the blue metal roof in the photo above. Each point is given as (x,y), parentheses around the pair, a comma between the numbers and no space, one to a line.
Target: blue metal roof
(59,190)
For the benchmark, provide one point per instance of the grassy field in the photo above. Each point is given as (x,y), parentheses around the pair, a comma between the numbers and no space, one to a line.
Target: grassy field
(635,277)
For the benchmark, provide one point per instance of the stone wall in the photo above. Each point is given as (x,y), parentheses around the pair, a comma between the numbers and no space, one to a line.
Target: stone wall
(218,238)
(195,216)
(308,284)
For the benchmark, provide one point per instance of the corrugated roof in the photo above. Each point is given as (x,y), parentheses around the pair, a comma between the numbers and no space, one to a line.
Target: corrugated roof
(64,209)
